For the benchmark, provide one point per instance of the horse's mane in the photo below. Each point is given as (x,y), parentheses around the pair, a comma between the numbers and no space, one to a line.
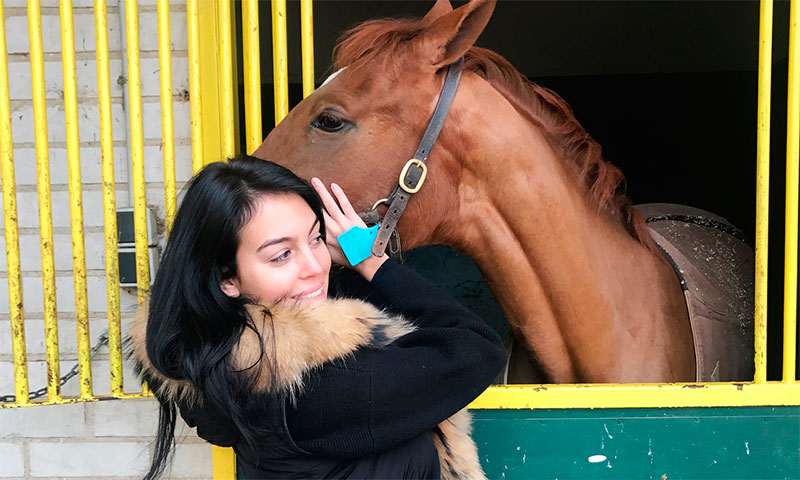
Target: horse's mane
(387,38)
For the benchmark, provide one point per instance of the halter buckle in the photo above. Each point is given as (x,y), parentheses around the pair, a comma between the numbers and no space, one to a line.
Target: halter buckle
(418,164)
(382,200)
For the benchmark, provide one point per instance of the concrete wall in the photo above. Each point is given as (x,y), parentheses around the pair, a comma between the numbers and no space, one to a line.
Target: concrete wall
(106,439)
(98,440)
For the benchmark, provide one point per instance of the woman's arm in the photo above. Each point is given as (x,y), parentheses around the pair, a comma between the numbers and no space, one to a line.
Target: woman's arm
(380,398)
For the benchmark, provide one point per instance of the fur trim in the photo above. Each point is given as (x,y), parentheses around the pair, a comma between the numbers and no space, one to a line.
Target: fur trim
(458,454)
(164,387)
(296,339)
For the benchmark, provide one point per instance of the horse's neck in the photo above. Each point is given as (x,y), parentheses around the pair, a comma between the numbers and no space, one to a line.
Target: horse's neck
(594,304)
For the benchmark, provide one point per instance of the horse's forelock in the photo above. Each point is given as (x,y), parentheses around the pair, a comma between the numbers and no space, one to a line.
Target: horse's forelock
(386,38)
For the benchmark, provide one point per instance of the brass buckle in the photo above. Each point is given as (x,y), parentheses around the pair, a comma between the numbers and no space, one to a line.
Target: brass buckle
(418,163)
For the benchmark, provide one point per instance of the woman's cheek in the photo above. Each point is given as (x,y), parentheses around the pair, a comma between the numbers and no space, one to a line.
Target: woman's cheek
(278,283)
(324,257)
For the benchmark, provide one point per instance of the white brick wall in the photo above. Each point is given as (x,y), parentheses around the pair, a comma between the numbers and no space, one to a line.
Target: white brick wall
(11,460)
(95,459)
(25,165)
(110,439)
(103,439)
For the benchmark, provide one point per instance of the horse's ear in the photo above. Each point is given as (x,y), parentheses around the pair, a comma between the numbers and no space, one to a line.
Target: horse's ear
(440,8)
(449,36)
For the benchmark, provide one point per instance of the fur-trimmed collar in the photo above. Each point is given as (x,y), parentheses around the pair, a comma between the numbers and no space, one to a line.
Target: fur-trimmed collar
(297,339)
(294,340)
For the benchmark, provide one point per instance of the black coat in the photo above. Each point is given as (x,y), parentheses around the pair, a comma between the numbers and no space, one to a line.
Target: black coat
(377,394)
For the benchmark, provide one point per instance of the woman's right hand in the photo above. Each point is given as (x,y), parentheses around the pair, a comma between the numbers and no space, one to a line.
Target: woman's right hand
(339,218)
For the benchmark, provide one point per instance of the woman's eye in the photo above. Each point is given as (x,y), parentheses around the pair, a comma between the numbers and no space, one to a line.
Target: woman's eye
(281,257)
(328,122)
(317,240)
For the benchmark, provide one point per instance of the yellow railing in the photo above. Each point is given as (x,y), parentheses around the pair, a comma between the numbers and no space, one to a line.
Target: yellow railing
(792,178)
(762,188)
(136,142)
(75,196)
(109,200)
(167,129)
(252,74)
(45,211)
(11,229)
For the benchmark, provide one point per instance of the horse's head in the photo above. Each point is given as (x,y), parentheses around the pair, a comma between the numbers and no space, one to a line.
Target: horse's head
(361,127)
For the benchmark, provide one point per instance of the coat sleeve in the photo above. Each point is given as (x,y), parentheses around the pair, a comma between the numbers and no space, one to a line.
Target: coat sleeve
(377,399)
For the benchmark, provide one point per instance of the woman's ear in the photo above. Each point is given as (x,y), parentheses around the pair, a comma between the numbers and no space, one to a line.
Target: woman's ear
(230,288)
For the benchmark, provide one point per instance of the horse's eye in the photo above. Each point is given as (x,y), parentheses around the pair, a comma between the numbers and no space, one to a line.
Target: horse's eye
(328,122)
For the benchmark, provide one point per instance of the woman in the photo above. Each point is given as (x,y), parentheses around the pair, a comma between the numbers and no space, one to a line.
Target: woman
(243,337)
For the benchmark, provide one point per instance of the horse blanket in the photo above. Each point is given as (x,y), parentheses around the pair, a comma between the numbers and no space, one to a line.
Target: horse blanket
(715,266)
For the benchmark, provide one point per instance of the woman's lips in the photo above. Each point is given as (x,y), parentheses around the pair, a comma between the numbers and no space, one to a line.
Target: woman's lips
(311,293)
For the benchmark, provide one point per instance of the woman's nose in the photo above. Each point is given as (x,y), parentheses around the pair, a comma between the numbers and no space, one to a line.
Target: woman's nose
(311,265)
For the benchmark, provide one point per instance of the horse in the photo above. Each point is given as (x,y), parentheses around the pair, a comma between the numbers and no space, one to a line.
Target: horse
(592,291)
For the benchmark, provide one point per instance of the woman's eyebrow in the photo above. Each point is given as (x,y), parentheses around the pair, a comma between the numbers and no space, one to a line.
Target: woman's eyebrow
(284,239)
(272,242)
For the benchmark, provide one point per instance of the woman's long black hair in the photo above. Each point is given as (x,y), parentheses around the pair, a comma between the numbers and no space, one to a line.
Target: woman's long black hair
(192,325)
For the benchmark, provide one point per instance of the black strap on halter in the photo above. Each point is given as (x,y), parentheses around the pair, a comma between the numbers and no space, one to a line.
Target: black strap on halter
(413,175)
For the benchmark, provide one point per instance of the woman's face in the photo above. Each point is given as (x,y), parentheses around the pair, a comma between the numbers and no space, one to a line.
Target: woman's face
(281,254)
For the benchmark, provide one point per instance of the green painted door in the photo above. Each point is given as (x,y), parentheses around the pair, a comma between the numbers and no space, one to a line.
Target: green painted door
(668,444)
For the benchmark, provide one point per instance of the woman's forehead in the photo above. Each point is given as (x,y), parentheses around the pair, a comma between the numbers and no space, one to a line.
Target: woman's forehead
(280,215)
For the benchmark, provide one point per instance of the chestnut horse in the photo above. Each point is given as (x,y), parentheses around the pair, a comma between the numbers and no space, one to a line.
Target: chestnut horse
(516,183)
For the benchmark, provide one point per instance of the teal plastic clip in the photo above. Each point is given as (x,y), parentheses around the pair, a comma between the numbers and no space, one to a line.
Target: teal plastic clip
(357,243)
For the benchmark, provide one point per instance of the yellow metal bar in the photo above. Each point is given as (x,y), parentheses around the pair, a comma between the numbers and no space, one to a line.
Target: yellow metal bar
(307,45)
(225,70)
(252,74)
(638,395)
(167,129)
(137,147)
(11,227)
(75,196)
(66,401)
(235,53)
(792,153)
(280,73)
(210,84)
(224,463)
(218,100)
(43,188)
(193,27)
(535,397)
(762,187)
(109,200)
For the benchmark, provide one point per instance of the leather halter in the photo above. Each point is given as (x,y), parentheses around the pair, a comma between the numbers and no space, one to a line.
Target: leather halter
(414,172)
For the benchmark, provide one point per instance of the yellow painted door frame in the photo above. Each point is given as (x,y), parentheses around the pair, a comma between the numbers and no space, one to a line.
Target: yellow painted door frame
(214,87)
(215,126)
